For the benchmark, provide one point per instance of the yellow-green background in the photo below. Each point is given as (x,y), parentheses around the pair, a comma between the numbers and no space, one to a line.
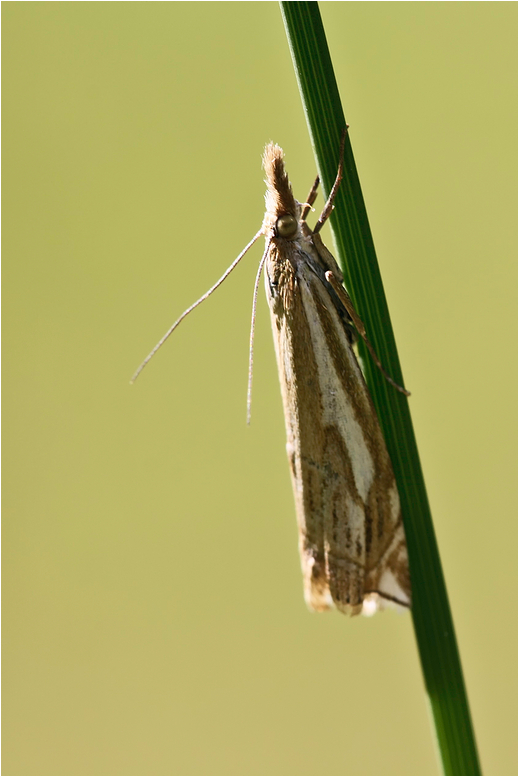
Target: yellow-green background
(153,613)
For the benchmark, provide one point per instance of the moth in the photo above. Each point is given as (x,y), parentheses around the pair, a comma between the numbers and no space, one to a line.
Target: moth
(351,535)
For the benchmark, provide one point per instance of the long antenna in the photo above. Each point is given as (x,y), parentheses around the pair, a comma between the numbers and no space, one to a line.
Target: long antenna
(194,305)
(252,327)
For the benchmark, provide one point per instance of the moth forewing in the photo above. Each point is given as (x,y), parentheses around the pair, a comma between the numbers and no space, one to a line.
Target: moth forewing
(351,535)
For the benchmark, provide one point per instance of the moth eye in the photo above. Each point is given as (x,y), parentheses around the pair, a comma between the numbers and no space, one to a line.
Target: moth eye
(286,226)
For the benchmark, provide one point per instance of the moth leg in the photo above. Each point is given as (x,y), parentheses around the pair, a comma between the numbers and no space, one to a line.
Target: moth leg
(359,326)
(310,200)
(329,202)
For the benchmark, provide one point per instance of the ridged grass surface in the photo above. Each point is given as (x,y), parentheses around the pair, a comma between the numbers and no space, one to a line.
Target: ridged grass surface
(432,618)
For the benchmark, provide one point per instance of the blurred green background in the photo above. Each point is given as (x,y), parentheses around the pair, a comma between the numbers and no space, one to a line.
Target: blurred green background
(153,614)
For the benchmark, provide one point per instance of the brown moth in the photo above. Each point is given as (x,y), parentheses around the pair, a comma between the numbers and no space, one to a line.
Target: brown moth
(351,536)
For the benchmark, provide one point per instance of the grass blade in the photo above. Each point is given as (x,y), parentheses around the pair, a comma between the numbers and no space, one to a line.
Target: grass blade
(432,618)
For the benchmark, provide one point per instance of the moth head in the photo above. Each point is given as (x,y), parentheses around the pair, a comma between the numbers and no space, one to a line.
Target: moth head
(282,209)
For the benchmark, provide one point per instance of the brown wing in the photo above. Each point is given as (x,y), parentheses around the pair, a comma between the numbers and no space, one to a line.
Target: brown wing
(352,541)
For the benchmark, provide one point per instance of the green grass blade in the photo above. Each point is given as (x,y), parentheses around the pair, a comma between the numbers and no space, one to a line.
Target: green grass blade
(432,618)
